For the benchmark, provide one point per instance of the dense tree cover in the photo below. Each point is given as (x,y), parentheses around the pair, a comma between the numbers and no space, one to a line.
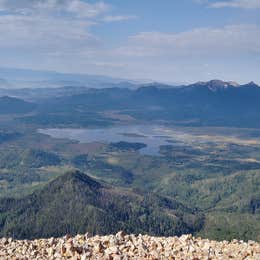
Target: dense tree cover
(115,174)
(216,187)
(127,146)
(21,170)
(9,105)
(38,158)
(75,203)
(31,158)
(8,136)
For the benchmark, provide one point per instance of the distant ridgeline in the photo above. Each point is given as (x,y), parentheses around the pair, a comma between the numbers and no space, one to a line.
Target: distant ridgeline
(214,103)
(9,105)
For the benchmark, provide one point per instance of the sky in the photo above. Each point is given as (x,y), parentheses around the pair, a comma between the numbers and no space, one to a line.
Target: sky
(174,41)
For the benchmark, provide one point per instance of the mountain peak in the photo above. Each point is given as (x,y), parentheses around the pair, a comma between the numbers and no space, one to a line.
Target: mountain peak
(77,177)
(76,203)
(252,84)
(217,84)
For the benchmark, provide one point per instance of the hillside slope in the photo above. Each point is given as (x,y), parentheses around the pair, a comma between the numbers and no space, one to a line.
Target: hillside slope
(75,203)
(10,105)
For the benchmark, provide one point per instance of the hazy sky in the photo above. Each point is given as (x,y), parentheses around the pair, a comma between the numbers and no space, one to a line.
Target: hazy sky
(166,40)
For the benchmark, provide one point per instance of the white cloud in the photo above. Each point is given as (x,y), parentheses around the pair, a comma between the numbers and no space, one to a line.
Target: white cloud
(106,64)
(56,35)
(229,40)
(72,7)
(119,18)
(246,4)
(49,25)
(52,26)
(44,34)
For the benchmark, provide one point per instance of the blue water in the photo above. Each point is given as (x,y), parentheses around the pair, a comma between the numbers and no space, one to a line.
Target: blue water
(153,136)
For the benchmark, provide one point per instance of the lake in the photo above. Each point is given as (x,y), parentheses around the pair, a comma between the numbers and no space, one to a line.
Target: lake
(152,135)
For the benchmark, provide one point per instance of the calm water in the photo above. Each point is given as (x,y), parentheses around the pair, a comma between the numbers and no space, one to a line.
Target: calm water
(153,136)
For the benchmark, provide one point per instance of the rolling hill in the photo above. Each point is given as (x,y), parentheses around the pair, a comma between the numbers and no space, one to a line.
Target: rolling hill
(75,203)
(10,105)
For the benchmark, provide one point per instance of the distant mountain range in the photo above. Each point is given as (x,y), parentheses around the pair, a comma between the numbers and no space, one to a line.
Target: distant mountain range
(213,103)
(216,85)
(26,78)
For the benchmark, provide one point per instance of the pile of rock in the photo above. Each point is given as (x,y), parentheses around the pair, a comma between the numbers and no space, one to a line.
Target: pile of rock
(122,246)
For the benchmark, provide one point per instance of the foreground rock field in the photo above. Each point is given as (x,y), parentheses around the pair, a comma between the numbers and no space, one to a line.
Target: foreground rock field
(122,246)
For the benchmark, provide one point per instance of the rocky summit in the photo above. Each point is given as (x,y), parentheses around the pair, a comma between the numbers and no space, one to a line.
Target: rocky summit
(123,246)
